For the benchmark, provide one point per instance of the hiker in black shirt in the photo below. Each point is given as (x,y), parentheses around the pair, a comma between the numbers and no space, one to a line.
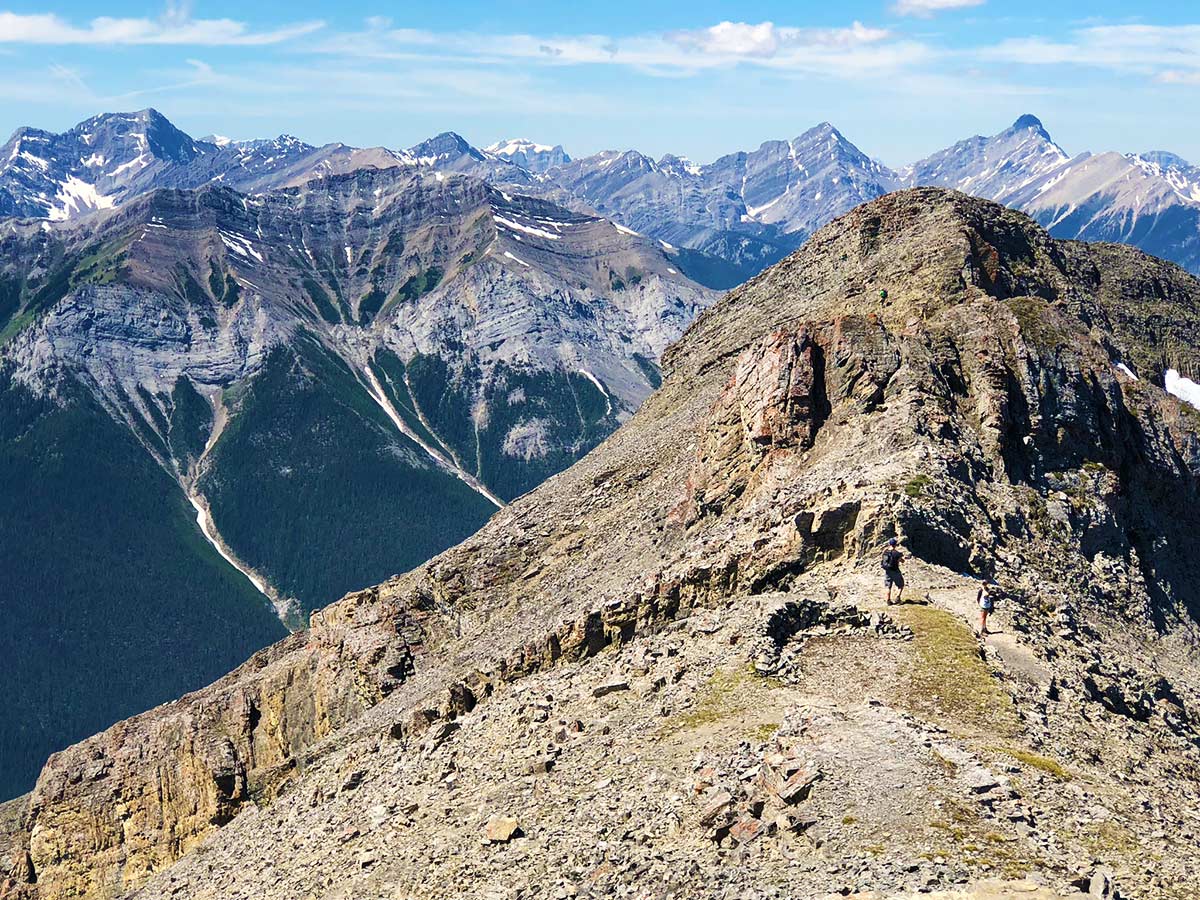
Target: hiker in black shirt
(891,571)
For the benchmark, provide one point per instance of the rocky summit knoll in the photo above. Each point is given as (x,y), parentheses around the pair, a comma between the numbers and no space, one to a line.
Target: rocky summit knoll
(669,671)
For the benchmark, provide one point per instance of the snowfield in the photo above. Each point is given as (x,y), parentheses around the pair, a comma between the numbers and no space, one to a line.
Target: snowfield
(1183,388)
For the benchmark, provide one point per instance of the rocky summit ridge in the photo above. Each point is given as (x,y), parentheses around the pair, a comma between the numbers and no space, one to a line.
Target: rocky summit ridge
(669,671)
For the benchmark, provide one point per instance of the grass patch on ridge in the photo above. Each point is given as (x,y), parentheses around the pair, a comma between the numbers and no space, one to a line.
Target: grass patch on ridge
(730,694)
(946,680)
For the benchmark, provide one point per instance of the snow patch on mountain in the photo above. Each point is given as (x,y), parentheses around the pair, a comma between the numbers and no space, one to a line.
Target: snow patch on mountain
(1184,388)
(76,196)
(527,229)
(600,387)
(138,162)
(240,245)
(517,145)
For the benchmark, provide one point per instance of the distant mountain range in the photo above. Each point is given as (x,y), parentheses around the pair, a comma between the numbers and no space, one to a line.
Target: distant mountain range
(751,208)
(741,212)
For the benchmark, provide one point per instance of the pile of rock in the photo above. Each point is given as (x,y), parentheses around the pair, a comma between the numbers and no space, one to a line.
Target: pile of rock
(754,795)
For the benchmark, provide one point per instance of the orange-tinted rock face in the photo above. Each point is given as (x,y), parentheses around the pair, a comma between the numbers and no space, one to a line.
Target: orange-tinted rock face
(109,812)
(779,389)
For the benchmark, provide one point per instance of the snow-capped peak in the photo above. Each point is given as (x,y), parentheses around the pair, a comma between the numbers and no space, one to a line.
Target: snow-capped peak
(1183,178)
(518,145)
(529,155)
(677,165)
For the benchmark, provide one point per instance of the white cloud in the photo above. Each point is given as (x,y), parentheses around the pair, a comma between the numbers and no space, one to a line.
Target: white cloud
(852,50)
(927,8)
(733,40)
(175,27)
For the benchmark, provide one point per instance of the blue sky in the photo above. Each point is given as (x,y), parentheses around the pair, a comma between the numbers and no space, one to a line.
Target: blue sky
(900,78)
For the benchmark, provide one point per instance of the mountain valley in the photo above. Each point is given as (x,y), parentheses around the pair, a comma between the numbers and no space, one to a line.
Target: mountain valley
(329,382)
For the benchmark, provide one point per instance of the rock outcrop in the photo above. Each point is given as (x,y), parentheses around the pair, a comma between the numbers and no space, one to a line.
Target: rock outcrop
(671,665)
(112,810)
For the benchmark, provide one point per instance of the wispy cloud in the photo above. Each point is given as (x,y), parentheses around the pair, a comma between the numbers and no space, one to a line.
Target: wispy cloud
(1169,53)
(855,49)
(70,77)
(928,8)
(1174,76)
(175,27)
(295,89)
(62,85)
(199,74)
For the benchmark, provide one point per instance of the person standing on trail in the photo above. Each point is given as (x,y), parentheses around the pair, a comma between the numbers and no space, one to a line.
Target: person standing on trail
(891,570)
(987,603)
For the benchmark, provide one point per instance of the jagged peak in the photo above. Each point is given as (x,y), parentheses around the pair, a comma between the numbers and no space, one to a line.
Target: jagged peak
(1030,122)
(626,158)
(444,142)
(26,131)
(821,131)
(149,116)
(672,163)
(290,141)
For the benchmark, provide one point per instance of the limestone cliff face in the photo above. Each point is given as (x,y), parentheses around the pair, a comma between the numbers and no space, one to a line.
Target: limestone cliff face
(423,336)
(978,414)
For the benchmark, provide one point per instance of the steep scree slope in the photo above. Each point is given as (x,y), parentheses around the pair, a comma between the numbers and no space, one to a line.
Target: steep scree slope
(668,671)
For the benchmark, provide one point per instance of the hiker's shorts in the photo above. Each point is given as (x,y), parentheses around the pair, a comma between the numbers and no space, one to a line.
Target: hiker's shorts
(892,577)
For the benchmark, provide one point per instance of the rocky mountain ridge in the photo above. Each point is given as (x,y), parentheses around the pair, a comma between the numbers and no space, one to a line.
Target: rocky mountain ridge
(995,167)
(669,671)
(737,214)
(752,208)
(112,158)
